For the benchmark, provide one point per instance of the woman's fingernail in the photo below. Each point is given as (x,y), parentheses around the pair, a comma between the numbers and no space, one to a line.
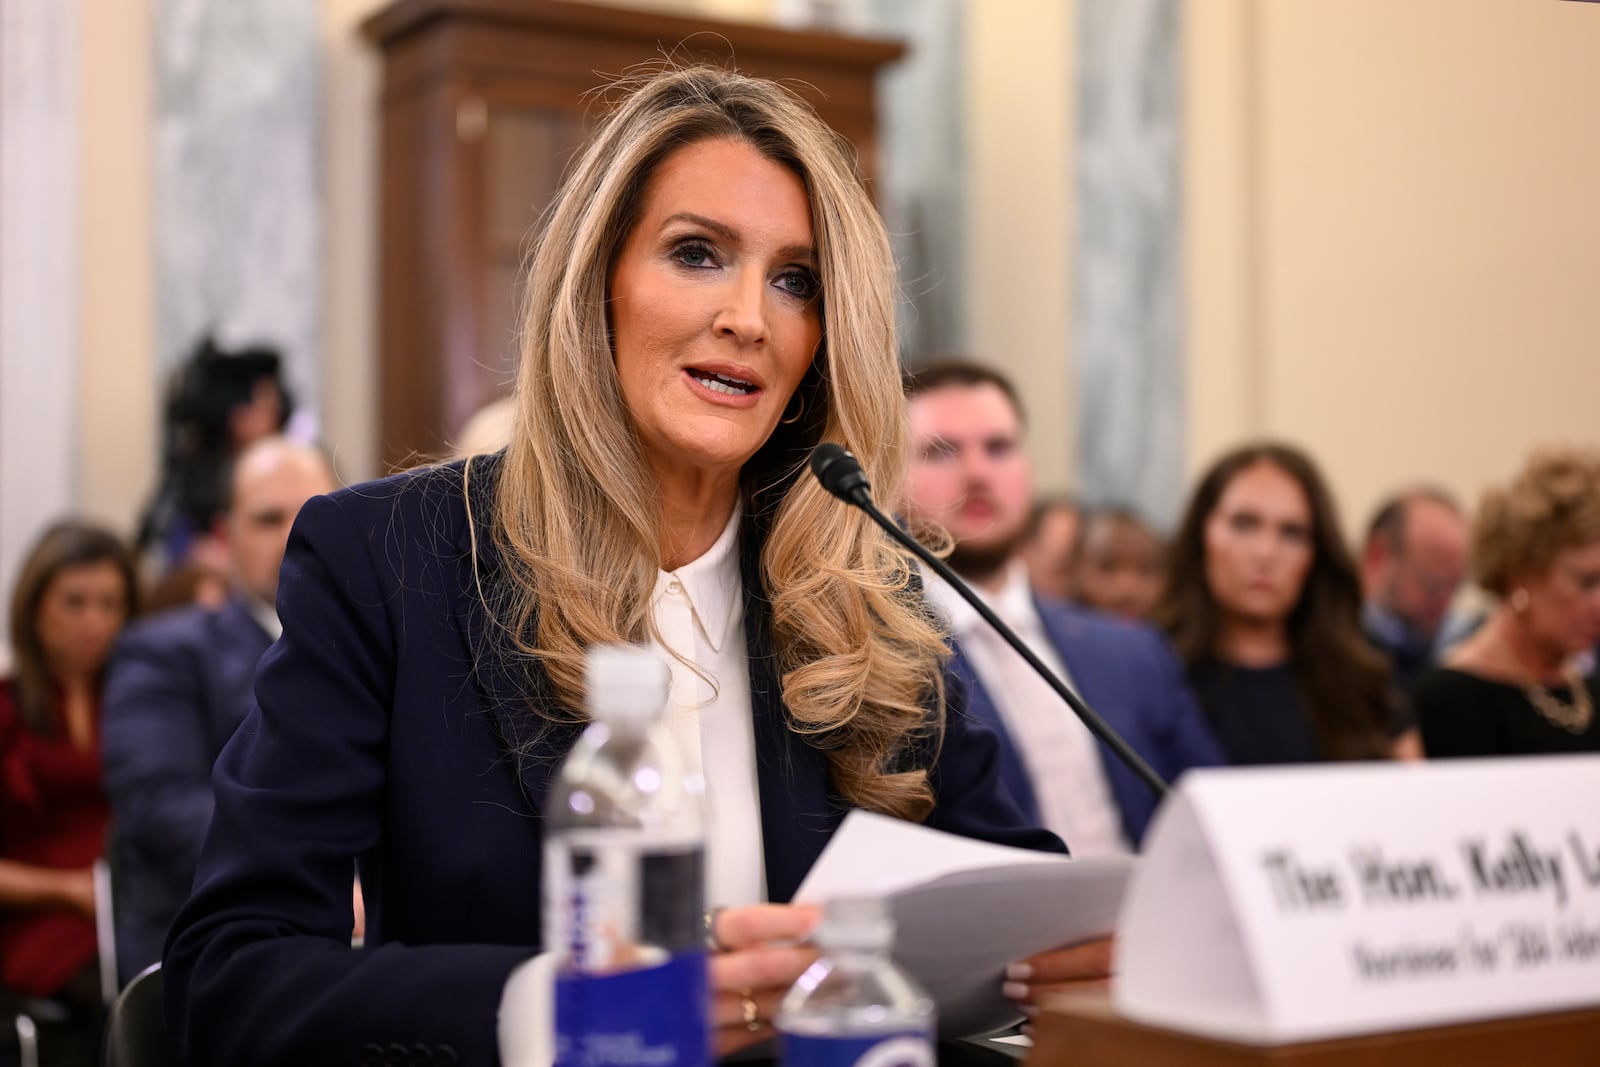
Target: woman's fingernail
(1015,990)
(1029,1010)
(1019,972)
(1027,1031)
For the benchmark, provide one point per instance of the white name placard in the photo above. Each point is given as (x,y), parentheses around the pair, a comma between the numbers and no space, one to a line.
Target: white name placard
(1281,905)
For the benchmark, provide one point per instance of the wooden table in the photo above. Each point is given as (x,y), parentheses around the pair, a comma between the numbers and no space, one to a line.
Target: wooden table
(1084,1030)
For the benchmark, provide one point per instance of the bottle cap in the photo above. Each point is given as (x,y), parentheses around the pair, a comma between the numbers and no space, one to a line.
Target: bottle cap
(856,923)
(625,683)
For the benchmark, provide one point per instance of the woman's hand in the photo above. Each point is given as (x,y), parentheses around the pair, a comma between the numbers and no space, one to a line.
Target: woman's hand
(1031,981)
(759,959)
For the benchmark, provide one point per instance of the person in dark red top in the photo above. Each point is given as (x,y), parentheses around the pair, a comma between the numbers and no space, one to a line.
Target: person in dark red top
(73,595)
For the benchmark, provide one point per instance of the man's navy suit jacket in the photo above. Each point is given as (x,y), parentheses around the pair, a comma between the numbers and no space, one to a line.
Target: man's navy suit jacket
(1126,672)
(390,725)
(177,687)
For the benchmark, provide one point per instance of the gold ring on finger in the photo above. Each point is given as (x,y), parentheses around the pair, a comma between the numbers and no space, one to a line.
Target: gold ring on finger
(751,1010)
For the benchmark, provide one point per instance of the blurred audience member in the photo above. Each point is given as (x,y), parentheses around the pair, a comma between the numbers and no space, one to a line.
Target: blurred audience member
(1047,551)
(1412,565)
(1517,685)
(1263,603)
(1118,564)
(178,686)
(186,586)
(489,429)
(971,475)
(75,590)
(218,403)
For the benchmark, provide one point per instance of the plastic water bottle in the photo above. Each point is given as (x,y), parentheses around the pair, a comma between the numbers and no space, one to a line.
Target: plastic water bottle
(624,880)
(854,1007)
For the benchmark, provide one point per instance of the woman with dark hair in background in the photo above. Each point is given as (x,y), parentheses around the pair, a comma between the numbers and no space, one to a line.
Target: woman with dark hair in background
(218,403)
(1263,603)
(74,593)
(1518,685)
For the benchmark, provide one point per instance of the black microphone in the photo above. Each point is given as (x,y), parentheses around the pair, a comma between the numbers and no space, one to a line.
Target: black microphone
(840,474)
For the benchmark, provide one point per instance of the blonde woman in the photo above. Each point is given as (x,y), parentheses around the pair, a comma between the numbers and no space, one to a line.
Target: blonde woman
(1524,682)
(712,297)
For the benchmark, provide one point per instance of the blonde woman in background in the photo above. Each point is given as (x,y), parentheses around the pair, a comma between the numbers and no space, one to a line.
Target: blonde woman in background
(712,297)
(1524,681)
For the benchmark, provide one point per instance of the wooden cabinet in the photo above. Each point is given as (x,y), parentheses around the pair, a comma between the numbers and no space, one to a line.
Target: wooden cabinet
(484,102)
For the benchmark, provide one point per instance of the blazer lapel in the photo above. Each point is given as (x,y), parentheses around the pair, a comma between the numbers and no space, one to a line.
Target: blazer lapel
(798,812)
(511,688)
(1097,679)
(1100,681)
(241,628)
(237,642)
(981,707)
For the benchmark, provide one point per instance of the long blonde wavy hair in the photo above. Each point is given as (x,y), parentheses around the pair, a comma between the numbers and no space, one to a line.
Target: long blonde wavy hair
(576,510)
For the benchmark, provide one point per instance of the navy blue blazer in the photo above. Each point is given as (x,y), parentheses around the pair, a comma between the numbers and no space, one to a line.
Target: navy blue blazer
(391,727)
(1126,672)
(177,686)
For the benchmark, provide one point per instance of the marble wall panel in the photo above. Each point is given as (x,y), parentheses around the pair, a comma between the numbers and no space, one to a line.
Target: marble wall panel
(923,188)
(237,217)
(39,293)
(1127,299)
(922,169)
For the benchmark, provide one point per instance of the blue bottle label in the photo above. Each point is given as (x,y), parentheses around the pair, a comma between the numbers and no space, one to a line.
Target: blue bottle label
(907,1048)
(650,1017)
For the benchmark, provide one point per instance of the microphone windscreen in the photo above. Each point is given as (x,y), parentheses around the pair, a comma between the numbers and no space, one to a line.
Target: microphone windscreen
(839,472)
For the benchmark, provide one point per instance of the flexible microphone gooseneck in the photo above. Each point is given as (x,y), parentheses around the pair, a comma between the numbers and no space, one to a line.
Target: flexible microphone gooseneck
(840,474)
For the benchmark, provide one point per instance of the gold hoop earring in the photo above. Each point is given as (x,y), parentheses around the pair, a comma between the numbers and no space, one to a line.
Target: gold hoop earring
(1519,601)
(790,420)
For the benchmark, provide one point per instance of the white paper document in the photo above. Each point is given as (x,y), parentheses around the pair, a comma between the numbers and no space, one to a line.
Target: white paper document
(966,909)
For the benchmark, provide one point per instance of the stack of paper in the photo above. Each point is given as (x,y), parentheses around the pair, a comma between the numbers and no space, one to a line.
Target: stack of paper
(966,909)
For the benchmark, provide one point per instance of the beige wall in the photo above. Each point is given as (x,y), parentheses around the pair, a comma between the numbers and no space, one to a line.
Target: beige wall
(1394,236)
(119,391)
(351,82)
(1392,242)
(1019,117)
(117,387)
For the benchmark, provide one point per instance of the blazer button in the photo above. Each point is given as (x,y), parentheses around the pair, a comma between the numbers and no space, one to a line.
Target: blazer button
(421,1056)
(446,1056)
(396,1055)
(371,1055)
